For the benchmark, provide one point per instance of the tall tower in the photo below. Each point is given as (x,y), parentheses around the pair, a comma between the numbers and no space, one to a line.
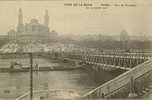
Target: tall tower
(20,27)
(46,18)
(20,17)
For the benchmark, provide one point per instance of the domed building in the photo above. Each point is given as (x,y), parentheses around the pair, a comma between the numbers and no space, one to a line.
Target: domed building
(32,31)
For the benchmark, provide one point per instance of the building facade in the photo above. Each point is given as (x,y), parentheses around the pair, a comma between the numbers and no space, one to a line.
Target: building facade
(32,31)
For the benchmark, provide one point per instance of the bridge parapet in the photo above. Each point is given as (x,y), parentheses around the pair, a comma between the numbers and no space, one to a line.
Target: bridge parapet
(119,82)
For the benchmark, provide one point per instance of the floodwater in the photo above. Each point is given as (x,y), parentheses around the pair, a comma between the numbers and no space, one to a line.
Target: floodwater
(78,82)
(14,84)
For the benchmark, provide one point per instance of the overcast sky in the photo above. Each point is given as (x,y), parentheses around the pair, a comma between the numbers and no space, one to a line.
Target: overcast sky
(79,20)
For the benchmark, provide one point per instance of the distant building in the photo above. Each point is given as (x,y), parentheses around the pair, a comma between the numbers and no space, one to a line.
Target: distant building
(124,36)
(124,39)
(32,31)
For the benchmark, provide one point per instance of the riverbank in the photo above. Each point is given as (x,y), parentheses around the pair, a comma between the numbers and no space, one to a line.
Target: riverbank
(56,68)
(39,64)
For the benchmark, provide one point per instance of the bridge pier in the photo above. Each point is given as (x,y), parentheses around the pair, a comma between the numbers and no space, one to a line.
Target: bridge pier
(132,93)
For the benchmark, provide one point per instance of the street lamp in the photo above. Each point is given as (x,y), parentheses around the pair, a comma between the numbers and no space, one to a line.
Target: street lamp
(31,76)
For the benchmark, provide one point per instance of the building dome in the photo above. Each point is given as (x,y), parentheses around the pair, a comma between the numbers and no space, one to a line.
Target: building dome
(34,21)
(32,31)
(12,31)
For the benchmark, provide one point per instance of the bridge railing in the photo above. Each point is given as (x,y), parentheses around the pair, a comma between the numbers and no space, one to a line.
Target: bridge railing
(134,54)
(120,81)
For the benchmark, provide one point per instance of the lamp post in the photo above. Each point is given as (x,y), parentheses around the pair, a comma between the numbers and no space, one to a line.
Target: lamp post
(31,76)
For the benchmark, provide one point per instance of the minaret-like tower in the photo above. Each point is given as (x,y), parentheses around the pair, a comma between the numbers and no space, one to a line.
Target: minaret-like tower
(46,18)
(20,17)
(20,27)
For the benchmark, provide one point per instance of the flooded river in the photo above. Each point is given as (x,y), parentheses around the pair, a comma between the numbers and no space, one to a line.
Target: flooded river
(79,81)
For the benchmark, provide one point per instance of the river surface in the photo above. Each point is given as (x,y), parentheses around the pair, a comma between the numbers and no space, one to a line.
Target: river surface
(80,81)
(15,84)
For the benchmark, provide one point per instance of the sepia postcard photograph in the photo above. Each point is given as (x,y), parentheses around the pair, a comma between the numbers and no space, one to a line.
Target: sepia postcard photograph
(75,49)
